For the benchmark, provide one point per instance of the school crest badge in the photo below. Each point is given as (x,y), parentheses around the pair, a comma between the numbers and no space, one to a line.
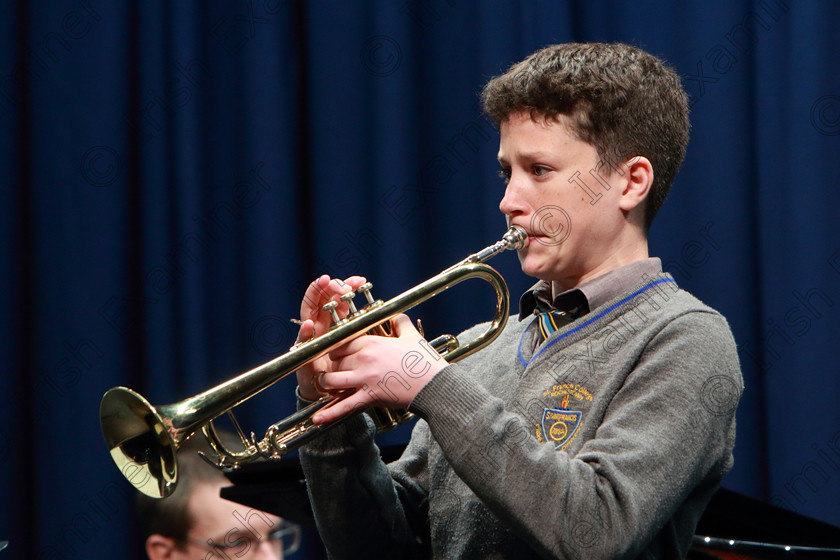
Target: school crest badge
(559,425)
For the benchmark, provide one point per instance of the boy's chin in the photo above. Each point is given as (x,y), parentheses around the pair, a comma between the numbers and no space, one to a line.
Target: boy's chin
(535,270)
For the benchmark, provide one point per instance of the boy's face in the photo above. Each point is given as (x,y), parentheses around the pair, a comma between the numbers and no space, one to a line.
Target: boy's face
(567,202)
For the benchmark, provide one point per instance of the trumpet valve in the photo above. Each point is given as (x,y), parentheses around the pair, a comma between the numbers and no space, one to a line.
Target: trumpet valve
(365,289)
(330,308)
(348,299)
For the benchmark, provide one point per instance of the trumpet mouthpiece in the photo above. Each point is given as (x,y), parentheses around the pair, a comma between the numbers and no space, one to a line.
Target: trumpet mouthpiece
(515,238)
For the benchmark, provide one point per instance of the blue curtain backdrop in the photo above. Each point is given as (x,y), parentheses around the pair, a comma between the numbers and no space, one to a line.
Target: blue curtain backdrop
(174,173)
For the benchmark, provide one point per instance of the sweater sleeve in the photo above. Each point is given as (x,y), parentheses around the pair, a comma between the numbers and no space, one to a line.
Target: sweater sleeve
(382,510)
(664,437)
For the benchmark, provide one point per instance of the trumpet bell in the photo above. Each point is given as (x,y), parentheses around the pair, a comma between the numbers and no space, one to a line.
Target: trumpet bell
(139,442)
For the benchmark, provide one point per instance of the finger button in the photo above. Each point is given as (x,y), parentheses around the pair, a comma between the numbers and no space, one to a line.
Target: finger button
(330,308)
(348,299)
(365,289)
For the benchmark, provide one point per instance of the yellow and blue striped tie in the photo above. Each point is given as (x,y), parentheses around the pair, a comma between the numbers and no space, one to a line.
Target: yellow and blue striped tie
(550,321)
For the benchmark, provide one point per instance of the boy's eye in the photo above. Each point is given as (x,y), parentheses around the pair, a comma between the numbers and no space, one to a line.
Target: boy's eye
(540,170)
(504,174)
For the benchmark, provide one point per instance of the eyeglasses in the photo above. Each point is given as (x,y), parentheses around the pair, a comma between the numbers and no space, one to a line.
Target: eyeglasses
(284,541)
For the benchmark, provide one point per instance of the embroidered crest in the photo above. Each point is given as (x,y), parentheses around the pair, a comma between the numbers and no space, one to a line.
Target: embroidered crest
(560,425)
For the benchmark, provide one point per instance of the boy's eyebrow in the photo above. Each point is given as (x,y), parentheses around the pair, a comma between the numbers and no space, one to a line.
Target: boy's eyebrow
(528,156)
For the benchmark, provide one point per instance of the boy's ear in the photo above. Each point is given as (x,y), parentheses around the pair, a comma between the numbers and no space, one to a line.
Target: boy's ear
(636,183)
(159,547)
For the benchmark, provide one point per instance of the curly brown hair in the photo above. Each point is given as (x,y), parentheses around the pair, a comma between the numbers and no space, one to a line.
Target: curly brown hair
(622,100)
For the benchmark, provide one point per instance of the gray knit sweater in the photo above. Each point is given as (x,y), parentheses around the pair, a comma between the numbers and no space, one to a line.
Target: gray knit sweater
(607,442)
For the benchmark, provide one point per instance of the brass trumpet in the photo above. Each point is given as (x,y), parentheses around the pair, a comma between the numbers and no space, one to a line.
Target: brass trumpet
(143,438)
